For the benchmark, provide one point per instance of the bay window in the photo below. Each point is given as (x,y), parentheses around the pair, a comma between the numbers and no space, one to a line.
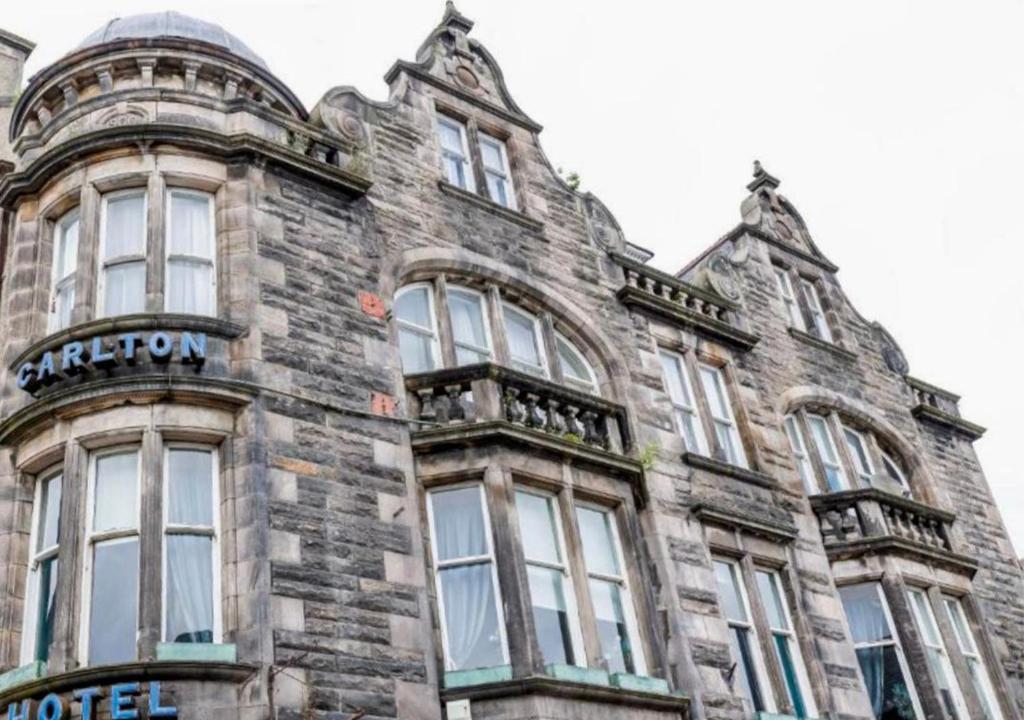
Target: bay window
(417,328)
(122,272)
(938,659)
(680,392)
(722,419)
(881,659)
(470,329)
(749,668)
(975,664)
(191,278)
(525,345)
(496,171)
(65,266)
(455,153)
(783,640)
(40,591)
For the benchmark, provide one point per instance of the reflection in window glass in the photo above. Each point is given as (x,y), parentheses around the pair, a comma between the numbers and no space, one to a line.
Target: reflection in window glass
(803,460)
(114,603)
(40,591)
(496,171)
(787,651)
(454,156)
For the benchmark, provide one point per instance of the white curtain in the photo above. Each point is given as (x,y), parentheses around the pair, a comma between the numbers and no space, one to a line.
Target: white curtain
(191,233)
(190,495)
(125,223)
(189,287)
(116,494)
(189,588)
(467,319)
(125,289)
(522,340)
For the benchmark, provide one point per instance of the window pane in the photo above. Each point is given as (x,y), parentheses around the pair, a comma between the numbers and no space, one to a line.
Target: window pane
(611,626)
(860,453)
(113,616)
(572,362)
(190,487)
(63,304)
(711,379)
(490,152)
(125,226)
(677,389)
(551,615)
(892,468)
(413,306)
(125,289)
(417,351)
(768,589)
(783,651)
(459,527)
(467,316)
(822,438)
(687,422)
(190,287)
(46,576)
(745,672)
(865,613)
(189,591)
(497,189)
(66,253)
(474,638)
(116,493)
(924,618)
(729,592)
(886,686)
(522,341)
(956,617)
(455,171)
(451,137)
(191,232)
(538,528)
(49,513)
(599,551)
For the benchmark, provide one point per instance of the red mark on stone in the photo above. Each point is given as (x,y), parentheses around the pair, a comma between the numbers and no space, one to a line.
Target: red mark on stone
(381,404)
(371,304)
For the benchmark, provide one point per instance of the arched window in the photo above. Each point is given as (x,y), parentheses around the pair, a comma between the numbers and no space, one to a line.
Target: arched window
(417,328)
(575,368)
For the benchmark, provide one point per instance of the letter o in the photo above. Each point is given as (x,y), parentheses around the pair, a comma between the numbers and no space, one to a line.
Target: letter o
(50,708)
(160,347)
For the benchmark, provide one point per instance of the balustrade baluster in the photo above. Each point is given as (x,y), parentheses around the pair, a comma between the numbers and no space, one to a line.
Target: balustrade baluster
(514,411)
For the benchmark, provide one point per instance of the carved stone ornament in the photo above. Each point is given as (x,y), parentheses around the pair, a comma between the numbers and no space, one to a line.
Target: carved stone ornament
(343,122)
(893,356)
(722,276)
(123,115)
(465,76)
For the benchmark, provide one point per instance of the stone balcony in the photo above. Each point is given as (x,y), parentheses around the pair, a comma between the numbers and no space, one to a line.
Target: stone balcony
(669,297)
(872,521)
(941,407)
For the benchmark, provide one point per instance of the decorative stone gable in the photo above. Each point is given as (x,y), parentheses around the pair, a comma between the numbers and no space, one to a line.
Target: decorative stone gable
(773,214)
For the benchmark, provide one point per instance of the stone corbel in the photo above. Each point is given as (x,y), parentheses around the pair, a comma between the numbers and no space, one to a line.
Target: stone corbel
(70,93)
(232,83)
(105,77)
(146,66)
(191,74)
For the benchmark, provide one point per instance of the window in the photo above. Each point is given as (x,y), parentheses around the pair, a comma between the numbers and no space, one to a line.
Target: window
(975,665)
(785,284)
(122,273)
(787,651)
(722,419)
(860,455)
(677,382)
(110,605)
(455,153)
(748,670)
(466,579)
(65,264)
(938,659)
(496,171)
(821,432)
(575,368)
(819,323)
(803,460)
(470,328)
(191,277)
(525,345)
(609,592)
(191,603)
(417,329)
(879,653)
(40,591)
(894,470)
(554,607)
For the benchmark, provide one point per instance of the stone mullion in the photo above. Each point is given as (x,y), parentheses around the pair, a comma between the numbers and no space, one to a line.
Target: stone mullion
(150,546)
(476,160)
(990,657)
(155,212)
(579,579)
(45,259)
(962,674)
(804,634)
(70,558)
(497,317)
(811,448)
(445,335)
(764,634)
(740,417)
(87,271)
(895,591)
(875,453)
(547,325)
(641,591)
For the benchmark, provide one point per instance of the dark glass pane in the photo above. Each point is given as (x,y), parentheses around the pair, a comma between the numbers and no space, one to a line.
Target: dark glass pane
(611,626)
(550,615)
(113,617)
(886,686)
(796,697)
(745,673)
(47,608)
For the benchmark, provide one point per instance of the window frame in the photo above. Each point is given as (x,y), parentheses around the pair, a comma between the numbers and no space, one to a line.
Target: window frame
(213,532)
(466,159)
(104,263)
(805,468)
(697,426)
(819,320)
(784,284)
(592,386)
(485,314)
(59,285)
(170,258)
(937,648)
(433,333)
(890,464)
(92,539)
(864,474)
(729,421)
(504,173)
(29,650)
(490,557)
(834,446)
(973,657)
(538,337)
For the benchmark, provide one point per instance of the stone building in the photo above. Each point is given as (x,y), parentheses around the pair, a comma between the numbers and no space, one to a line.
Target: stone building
(363,412)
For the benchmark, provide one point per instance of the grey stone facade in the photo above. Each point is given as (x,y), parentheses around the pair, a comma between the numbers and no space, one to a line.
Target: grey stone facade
(327,451)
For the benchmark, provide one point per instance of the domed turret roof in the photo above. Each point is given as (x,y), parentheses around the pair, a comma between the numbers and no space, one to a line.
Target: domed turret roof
(170,24)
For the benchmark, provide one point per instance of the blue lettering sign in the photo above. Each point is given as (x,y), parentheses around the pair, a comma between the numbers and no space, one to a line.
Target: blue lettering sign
(156,710)
(85,697)
(51,708)
(122,701)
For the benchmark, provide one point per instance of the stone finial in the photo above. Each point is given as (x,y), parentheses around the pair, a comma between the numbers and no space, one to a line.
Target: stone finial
(455,20)
(761,178)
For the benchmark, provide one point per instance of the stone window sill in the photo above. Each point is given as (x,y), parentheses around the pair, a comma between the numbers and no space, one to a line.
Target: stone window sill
(486,204)
(723,468)
(823,344)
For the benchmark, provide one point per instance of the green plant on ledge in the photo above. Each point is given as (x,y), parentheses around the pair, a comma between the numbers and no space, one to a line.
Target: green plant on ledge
(573,438)
(649,454)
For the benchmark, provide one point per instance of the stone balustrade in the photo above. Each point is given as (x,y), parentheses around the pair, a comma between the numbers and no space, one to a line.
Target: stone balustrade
(941,407)
(658,284)
(489,393)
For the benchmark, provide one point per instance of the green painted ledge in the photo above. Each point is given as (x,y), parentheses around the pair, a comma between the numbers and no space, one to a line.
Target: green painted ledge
(202,652)
(32,671)
(573,673)
(640,683)
(479,676)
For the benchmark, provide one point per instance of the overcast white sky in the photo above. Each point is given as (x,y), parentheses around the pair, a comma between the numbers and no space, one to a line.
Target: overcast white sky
(896,127)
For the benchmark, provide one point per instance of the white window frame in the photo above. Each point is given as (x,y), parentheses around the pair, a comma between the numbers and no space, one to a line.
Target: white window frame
(538,336)
(894,640)
(726,421)
(756,649)
(504,173)
(571,607)
(105,264)
(864,474)
(893,468)
(834,451)
(818,320)
(212,532)
(622,580)
(791,427)
(789,301)
(59,285)
(170,257)
(799,666)
(465,159)
(976,665)
(679,405)
(92,539)
(489,557)
(937,646)
(431,332)
(29,650)
(488,335)
(590,387)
